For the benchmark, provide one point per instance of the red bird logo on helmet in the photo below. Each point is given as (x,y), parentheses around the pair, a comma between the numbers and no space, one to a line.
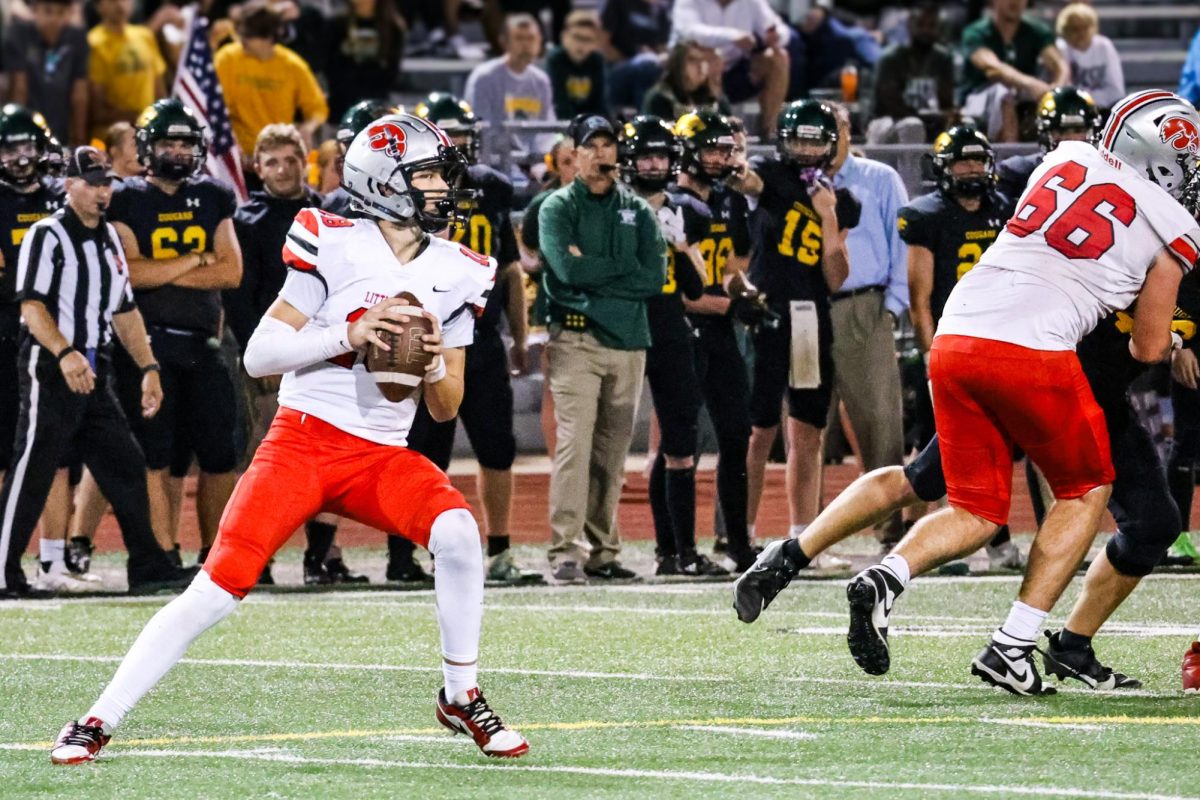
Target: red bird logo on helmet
(390,138)
(1180,133)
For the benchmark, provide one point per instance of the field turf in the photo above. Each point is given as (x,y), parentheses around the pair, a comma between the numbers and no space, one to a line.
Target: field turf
(633,691)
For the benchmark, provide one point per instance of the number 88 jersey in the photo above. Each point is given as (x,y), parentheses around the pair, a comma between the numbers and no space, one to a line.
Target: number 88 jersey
(1085,233)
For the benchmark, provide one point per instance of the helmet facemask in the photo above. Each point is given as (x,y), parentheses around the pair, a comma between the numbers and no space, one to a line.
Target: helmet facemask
(818,150)
(22,164)
(173,166)
(974,185)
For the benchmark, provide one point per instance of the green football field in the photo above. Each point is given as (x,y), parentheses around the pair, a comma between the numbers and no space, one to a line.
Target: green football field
(641,690)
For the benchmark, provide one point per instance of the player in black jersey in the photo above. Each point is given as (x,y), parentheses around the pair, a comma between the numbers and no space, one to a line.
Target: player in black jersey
(1147,518)
(709,143)
(1065,114)
(800,224)
(176,227)
(484,224)
(648,156)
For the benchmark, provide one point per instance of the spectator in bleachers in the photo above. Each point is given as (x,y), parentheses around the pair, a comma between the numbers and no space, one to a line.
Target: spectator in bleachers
(1004,53)
(691,82)
(914,83)
(121,145)
(366,45)
(1092,57)
(512,87)
(576,68)
(1189,77)
(830,45)
(125,68)
(47,62)
(753,42)
(636,36)
(264,81)
(497,12)
(442,38)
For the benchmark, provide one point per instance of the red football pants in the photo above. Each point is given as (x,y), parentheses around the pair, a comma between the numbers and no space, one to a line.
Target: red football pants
(988,395)
(305,466)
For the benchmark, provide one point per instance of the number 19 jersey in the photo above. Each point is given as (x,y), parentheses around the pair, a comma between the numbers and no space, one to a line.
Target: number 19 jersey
(1085,233)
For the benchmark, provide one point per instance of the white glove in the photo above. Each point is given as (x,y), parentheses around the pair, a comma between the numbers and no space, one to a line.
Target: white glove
(670,222)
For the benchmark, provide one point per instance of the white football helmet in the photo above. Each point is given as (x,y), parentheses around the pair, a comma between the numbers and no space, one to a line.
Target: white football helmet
(1157,133)
(380,163)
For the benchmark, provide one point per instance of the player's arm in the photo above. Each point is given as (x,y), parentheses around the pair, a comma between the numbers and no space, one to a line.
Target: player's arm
(444,396)
(920,290)
(1151,340)
(150,273)
(745,181)
(222,267)
(835,262)
(512,282)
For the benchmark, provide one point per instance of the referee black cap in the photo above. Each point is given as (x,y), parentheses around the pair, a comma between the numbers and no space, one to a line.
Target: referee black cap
(90,164)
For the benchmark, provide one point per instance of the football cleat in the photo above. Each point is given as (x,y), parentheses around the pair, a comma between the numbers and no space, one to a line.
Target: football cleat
(1083,666)
(1005,556)
(1010,666)
(410,572)
(666,566)
(55,577)
(871,595)
(699,566)
(769,575)
(470,714)
(503,568)
(79,554)
(79,742)
(1191,668)
(612,571)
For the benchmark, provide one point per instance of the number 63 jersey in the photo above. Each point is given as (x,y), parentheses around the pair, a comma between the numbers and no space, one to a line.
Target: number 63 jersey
(1078,247)
(339,268)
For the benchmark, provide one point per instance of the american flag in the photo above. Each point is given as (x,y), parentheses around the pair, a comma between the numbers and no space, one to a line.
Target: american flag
(197,86)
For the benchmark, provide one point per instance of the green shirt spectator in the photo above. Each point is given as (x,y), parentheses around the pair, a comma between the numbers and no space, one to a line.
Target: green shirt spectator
(1015,41)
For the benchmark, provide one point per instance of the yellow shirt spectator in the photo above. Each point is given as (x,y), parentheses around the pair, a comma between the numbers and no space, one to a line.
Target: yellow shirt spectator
(260,91)
(126,70)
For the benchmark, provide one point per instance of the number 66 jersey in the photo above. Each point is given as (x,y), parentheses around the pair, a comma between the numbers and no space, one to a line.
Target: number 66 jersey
(339,268)
(1083,237)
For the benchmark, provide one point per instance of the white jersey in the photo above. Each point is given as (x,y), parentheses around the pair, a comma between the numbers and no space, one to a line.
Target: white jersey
(1085,233)
(340,268)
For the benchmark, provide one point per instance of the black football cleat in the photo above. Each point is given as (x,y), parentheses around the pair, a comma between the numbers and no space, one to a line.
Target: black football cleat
(315,573)
(762,582)
(1082,665)
(612,571)
(699,566)
(340,573)
(871,596)
(410,572)
(1010,666)
(169,579)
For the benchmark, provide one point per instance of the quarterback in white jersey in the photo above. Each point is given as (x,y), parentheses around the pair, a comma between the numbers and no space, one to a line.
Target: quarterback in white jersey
(1097,228)
(337,445)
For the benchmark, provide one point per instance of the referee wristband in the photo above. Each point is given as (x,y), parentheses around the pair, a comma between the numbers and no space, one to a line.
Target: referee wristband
(151,367)
(66,351)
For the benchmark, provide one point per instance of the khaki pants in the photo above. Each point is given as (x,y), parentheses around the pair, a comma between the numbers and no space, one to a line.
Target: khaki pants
(596,391)
(867,380)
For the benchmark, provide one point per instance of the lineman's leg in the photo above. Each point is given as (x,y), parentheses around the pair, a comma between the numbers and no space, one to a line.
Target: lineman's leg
(726,387)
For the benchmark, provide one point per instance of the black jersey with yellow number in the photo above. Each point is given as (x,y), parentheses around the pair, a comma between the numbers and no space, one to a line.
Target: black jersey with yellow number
(487,229)
(168,226)
(955,236)
(786,264)
(668,321)
(727,232)
(1104,353)
(17,213)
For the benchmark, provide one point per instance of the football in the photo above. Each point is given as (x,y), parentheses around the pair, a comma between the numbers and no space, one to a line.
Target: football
(399,371)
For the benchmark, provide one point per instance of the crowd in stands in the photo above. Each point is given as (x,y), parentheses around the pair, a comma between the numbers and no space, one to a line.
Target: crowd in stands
(294,71)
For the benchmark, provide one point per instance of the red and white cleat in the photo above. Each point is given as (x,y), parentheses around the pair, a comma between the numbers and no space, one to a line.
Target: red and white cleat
(79,742)
(1191,668)
(470,714)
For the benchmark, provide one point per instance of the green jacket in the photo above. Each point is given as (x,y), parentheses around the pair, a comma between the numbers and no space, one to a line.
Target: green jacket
(624,260)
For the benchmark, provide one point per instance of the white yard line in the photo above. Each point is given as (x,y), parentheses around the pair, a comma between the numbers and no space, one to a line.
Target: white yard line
(765,733)
(571,674)
(666,775)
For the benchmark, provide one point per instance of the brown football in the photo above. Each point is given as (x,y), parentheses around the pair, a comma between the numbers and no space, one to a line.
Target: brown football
(399,371)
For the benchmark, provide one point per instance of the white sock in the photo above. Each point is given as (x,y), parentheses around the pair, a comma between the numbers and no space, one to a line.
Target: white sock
(896,565)
(51,550)
(1023,622)
(750,532)
(795,530)
(458,589)
(161,644)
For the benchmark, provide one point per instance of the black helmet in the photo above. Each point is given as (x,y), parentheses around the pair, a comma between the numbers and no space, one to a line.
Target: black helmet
(455,117)
(644,135)
(698,130)
(25,130)
(1065,109)
(166,120)
(960,143)
(359,116)
(807,121)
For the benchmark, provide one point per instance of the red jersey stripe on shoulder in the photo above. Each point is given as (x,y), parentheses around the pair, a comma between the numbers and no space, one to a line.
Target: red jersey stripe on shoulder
(1185,249)
(297,259)
(308,218)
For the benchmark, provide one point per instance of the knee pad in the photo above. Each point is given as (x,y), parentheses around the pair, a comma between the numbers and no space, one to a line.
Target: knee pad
(1136,549)
(454,536)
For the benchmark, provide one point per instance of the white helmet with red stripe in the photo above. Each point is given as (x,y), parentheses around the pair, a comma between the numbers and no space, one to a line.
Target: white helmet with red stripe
(1157,133)
(381,161)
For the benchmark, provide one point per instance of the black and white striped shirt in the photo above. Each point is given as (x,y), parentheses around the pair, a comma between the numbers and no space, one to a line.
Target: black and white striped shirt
(78,273)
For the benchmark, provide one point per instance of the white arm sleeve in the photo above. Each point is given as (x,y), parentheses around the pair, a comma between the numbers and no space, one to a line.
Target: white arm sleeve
(276,348)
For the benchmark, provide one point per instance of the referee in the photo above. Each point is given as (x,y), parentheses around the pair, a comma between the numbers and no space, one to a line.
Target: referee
(73,286)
